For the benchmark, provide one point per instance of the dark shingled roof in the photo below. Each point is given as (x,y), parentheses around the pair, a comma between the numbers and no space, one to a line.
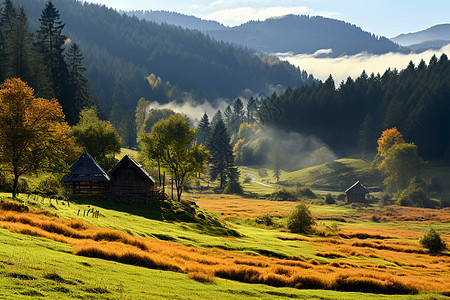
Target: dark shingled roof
(86,169)
(137,166)
(357,188)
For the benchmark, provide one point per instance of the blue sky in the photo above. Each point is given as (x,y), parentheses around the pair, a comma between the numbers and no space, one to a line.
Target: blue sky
(383,17)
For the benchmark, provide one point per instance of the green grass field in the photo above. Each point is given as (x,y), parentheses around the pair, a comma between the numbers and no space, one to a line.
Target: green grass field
(33,267)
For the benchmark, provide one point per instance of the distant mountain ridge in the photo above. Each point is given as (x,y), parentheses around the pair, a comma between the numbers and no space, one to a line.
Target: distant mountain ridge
(434,33)
(290,33)
(177,19)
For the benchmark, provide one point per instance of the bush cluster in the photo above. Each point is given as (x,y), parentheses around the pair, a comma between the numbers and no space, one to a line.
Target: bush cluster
(301,220)
(432,241)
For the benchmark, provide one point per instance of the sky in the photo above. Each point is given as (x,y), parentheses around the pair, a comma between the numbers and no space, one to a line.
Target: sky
(387,18)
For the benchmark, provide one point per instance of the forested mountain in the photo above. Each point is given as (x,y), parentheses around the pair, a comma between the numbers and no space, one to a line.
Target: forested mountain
(351,118)
(124,50)
(291,33)
(177,19)
(128,58)
(438,32)
(305,34)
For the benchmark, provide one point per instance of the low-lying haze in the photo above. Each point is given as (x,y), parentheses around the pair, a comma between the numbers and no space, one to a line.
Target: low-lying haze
(353,65)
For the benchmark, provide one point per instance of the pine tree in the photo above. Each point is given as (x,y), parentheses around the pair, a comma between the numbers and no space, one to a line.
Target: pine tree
(366,133)
(7,18)
(237,116)
(19,47)
(78,81)
(276,160)
(221,152)
(50,42)
(251,110)
(216,118)
(204,130)
(227,116)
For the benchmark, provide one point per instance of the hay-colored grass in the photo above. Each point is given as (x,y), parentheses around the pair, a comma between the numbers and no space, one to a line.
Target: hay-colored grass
(403,271)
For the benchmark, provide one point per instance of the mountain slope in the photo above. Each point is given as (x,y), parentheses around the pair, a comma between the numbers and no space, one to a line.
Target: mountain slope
(437,32)
(304,34)
(121,51)
(177,19)
(291,33)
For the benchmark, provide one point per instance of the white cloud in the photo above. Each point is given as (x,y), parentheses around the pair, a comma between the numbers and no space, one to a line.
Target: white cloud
(342,67)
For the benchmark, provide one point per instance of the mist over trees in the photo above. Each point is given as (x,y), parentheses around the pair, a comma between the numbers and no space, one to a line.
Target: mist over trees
(350,118)
(121,52)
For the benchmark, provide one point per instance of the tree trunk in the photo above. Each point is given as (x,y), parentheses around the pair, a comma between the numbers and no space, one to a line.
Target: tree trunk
(159,172)
(15,185)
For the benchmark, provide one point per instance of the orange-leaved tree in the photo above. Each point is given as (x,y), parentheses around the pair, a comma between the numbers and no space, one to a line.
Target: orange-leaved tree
(389,138)
(33,132)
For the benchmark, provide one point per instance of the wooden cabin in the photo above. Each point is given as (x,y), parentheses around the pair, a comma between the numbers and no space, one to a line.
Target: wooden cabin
(131,183)
(87,177)
(356,193)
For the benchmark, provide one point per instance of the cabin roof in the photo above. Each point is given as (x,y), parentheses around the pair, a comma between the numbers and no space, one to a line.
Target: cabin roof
(86,169)
(137,166)
(357,188)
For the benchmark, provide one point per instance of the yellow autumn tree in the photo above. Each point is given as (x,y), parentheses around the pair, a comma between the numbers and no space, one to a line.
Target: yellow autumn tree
(33,131)
(389,138)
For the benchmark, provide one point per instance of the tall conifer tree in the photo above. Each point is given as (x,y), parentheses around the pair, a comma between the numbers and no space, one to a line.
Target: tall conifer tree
(204,130)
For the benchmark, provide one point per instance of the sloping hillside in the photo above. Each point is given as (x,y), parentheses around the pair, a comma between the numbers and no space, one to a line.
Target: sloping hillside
(437,32)
(120,51)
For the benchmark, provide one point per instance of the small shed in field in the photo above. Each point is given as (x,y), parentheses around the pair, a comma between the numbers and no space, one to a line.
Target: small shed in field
(131,183)
(356,193)
(86,176)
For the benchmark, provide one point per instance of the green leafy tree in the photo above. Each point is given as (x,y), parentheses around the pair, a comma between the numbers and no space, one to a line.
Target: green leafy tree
(154,116)
(401,163)
(171,141)
(141,113)
(33,133)
(99,137)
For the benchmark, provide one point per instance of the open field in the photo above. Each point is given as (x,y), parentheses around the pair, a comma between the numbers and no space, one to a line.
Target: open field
(355,254)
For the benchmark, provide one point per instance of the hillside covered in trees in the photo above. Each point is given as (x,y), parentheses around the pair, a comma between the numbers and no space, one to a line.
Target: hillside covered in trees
(290,33)
(350,118)
(121,51)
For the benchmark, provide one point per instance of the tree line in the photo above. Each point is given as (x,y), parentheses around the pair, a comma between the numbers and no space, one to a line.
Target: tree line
(351,117)
(47,60)
(122,51)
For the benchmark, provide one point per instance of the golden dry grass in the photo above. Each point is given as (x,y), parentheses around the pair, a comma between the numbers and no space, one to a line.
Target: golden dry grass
(408,271)
(238,207)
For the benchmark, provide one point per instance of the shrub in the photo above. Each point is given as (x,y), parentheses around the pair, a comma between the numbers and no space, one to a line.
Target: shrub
(306,192)
(415,195)
(48,185)
(329,199)
(247,179)
(432,241)
(284,195)
(266,220)
(301,220)
(262,173)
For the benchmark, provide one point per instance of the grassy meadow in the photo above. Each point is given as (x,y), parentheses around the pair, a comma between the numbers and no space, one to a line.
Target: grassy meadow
(94,248)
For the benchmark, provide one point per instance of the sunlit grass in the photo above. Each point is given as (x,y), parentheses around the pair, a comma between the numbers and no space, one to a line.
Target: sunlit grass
(345,262)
